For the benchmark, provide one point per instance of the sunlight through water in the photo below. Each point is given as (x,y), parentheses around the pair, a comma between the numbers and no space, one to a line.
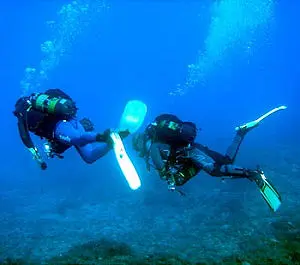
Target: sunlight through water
(71,20)
(234,23)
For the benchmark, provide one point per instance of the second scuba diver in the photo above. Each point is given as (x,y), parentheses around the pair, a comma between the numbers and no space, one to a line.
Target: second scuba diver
(168,144)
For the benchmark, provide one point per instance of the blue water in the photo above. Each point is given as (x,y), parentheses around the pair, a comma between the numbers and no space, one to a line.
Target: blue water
(219,64)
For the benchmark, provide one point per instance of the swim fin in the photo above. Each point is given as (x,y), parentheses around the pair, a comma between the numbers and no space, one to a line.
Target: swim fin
(267,190)
(132,119)
(125,163)
(133,116)
(252,124)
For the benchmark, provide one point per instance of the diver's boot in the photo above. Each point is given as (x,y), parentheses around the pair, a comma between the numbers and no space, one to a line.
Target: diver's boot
(267,190)
(257,177)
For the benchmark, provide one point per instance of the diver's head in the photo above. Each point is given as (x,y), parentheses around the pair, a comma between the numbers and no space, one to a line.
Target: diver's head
(138,142)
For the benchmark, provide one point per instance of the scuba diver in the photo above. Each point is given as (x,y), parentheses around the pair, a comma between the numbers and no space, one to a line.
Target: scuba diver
(169,143)
(52,116)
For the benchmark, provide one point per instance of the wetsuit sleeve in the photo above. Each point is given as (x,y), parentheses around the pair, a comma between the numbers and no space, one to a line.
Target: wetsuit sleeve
(90,153)
(20,112)
(24,133)
(73,133)
(156,154)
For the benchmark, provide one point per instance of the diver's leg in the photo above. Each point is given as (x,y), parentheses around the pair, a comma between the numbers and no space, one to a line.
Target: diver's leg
(202,160)
(92,152)
(244,129)
(216,156)
(232,171)
(205,162)
(213,167)
(267,190)
(233,149)
(241,132)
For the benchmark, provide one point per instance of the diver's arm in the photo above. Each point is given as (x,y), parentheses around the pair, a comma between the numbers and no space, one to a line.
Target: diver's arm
(21,108)
(24,133)
(72,132)
(155,154)
(91,137)
(105,136)
(20,112)
(26,139)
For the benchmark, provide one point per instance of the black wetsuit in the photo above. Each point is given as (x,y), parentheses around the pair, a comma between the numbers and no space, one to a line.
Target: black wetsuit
(212,162)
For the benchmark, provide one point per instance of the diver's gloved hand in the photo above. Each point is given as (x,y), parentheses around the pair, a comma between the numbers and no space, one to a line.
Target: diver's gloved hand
(87,124)
(124,134)
(43,166)
(105,136)
(37,157)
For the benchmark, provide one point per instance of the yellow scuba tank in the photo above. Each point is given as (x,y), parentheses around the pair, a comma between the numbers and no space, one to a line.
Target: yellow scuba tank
(61,107)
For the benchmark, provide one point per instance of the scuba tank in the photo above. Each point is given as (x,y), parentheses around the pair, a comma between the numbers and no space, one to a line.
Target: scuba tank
(61,107)
(169,129)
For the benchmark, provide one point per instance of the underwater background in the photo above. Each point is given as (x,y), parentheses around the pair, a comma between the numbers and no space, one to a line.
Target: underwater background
(217,63)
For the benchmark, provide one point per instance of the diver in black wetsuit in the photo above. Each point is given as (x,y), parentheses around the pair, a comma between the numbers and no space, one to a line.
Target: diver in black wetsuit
(52,116)
(170,144)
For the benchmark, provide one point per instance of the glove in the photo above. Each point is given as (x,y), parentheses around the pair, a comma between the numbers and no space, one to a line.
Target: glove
(43,166)
(124,134)
(37,157)
(87,124)
(105,136)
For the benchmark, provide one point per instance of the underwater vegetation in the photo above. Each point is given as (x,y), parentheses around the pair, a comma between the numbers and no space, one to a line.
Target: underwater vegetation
(284,248)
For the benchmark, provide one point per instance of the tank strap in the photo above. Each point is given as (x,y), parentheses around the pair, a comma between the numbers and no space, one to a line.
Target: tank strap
(41,99)
(52,104)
